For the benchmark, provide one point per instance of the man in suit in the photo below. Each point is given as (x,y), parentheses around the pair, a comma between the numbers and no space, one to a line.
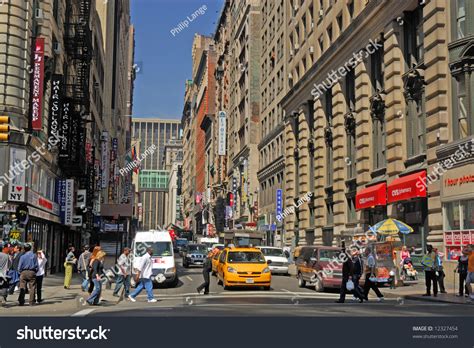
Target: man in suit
(347,271)
(206,269)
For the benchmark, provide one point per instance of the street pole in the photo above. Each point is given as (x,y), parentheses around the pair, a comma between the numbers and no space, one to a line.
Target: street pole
(117,241)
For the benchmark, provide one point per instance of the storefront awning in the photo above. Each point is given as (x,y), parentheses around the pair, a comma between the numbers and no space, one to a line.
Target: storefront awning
(371,196)
(407,187)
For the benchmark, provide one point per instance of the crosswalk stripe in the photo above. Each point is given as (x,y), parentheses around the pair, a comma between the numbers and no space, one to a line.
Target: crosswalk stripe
(83,312)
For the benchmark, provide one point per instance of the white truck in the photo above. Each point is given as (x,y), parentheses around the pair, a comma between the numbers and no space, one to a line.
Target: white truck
(164,267)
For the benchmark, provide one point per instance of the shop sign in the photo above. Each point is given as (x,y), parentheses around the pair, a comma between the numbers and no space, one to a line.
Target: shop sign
(222,133)
(105,160)
(16,186)
(55,106)
(38,201)
(458,238)
(64,129)
(69,202)
(77,220)
(36,103)
(407,187)
(371,196)
(279,202)
(458,182)
(81,198)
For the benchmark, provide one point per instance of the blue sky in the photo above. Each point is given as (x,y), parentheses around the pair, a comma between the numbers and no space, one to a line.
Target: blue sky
(164,60)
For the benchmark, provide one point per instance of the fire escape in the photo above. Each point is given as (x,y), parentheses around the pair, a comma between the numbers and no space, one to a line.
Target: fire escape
(78,46)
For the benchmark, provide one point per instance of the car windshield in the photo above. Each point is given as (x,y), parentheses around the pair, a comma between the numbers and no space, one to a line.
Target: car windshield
(272,252)
(197,248)
(245,257)
(328,255)
(159,248)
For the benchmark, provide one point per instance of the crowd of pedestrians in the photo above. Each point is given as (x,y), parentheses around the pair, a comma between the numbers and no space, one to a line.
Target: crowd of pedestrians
(22,270)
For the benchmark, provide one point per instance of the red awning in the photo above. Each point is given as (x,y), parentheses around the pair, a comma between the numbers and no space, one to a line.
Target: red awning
(407,187)
(371,196)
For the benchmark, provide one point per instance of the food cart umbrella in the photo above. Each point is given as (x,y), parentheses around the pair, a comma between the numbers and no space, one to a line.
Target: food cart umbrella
(391,227)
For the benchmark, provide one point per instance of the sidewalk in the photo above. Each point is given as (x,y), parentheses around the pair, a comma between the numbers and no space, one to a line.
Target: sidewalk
(416,291)
(56,299)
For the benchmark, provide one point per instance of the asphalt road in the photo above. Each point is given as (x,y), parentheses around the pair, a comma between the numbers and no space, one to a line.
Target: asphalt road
(284,299)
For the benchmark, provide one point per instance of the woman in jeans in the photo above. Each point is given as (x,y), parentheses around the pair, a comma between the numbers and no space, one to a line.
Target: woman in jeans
(96,272)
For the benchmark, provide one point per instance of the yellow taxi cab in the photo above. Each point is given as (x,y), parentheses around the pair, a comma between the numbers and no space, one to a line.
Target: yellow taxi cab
(243,267)
(215,262)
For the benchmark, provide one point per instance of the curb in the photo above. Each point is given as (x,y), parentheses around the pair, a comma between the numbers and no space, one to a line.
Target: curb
(422,298)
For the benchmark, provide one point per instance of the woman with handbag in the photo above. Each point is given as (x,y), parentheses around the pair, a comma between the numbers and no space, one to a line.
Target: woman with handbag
(68,266)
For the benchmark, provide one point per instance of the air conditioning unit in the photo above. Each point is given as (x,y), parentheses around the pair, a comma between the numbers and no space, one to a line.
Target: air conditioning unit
(297,47)
(57,47)
(312,25)
(321,13)
(290,76)
(292,53)
(39,15)
(311,49)
(295,8)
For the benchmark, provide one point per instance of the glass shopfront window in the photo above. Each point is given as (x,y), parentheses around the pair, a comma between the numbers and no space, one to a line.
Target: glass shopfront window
(459,215)
(467,208)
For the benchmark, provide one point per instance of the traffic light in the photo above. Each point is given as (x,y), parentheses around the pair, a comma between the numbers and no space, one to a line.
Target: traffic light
(4,128)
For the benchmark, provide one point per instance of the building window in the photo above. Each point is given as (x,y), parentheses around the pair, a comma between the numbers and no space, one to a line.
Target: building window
(328,136)
(413,30)
(350,123)
(460,19)
(377,70)
(351,209)
(464,123)
(350,7)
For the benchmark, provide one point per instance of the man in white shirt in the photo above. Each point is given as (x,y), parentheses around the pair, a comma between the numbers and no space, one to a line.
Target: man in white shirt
(144,277)
(124,273)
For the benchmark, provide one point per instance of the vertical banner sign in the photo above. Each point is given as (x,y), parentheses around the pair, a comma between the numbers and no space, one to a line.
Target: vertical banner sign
(37,80)
(55,106)
(65,126)
(222,133)
(279,202)
(74,142)
(61,198)
(105,160)
(69,202)
(17,185)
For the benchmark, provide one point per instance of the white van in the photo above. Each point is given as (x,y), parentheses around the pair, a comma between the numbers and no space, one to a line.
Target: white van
(164,268)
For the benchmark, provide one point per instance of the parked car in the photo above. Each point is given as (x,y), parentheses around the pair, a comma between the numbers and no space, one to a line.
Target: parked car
(279,264)
(194,255)
(319,260)
(179,244)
